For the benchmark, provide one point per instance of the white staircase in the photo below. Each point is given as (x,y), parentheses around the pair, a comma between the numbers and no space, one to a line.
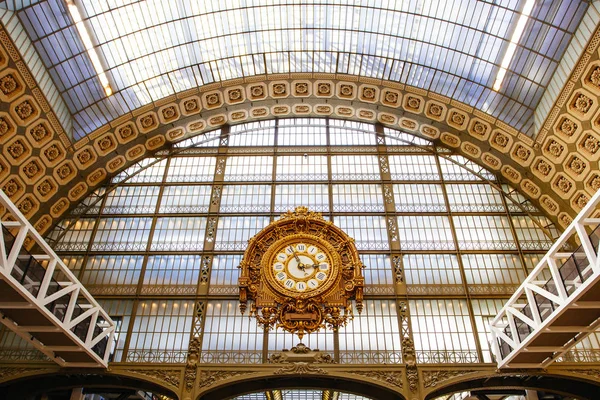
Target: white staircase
(558,304)
(43,302)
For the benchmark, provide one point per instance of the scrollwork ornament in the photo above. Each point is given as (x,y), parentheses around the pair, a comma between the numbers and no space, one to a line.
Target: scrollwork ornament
(192,363)
(300,368)
(170,377)
(389,377)
(209,378)
(434,378)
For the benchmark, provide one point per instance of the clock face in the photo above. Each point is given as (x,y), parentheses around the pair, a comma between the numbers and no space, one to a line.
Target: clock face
(302,266)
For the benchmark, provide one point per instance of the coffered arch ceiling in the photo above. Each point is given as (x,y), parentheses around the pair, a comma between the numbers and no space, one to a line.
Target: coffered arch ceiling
(46,172)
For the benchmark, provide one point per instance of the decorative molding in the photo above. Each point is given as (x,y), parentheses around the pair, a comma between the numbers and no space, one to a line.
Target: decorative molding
(209,378)
(594,373)
(300,368)
(389,377)
(12,372)
(171,377)
(434,378)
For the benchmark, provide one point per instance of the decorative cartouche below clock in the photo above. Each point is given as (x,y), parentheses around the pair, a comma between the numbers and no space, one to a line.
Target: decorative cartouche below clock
(299,273)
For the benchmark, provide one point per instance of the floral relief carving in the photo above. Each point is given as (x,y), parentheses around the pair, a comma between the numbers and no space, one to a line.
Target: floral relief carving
(346,90)
(413,103)
(323,109)
(237,115)
(366,114)
(522,152)
(169,113)
(257,91)
(259,112)
(24,110)
(85,156)
(594,182)
(190,105)
(12,188)
(106,143)
(8,84)
(582,103)
(170,377)
(345,111)
(32,169)
(196,126)
(280,89)
(235,95)
(27,205)
(568,127)
(500,139)
(301,88)
(18,149)
(64,171)
(581,200)
(126,131)
(563,184)
(532,189)
(213,99)
(39,132)
(594,77)
(46,187)
(324,89)
(58,207)
(479,129)
(406,123)
(5,126)
(389,377)
(457,118)
(434,378)
(554,148)
(549,204)
(78,191)
(300,368)
(490,160)
(577,165)
(543,167)
(302,109)
(368,93)
(147,121)
(564,219)
(435,110)
(391,97)
(590,144)
(281,110)
(218,120)
(209,378)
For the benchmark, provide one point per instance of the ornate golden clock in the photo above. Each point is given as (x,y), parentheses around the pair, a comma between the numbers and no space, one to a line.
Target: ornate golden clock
(299,273)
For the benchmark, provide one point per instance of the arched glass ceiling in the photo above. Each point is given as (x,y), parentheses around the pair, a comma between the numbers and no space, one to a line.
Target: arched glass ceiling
(152,49)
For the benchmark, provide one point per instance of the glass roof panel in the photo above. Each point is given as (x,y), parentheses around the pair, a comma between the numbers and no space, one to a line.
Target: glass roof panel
(153,48)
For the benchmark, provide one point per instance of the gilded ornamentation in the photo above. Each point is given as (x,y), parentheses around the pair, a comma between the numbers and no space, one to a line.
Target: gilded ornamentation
(522,152)
(238,115)
(577,165)
(170,113)
(323,109)
(24,110)
(409,357)
(302,109)
(568,127)
(406,123)
(429,131)
(8,84)
(235,95)
(563,184)
(147,121)
(257,91)
(325,269)
(324,89)
(115,164)
(594,373)
(17,149)
(191,365)
(209,378)
(170,377)
(479,128)
(59,207)
(500,139)
(581,200)
(590,144)
(543,167)
(39,132)
(594,182)
(12,187)
(554,148)
(457,118)
(279,89)
(393,378)
(213,99)
(391,97)
(345,111)
(582,103)
(5,126)
(532,189)
(368,93)
(32,169)
(64,171)
(594,77)
(301,88)
(259,112)
(26,205)
(85,156)
(434,378)
(190,105)
(218,120)
(196,126)
(106,143)
(366,114)
(565,219)
(300,368)
(549,204)
(435,109)
(126,131)
(280,110)
(491,160)
(471,150)
(7,372)
(413,103)
(346,90)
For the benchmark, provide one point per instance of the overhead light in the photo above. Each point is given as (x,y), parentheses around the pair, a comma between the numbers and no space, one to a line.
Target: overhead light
(512,46)
(89,46)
